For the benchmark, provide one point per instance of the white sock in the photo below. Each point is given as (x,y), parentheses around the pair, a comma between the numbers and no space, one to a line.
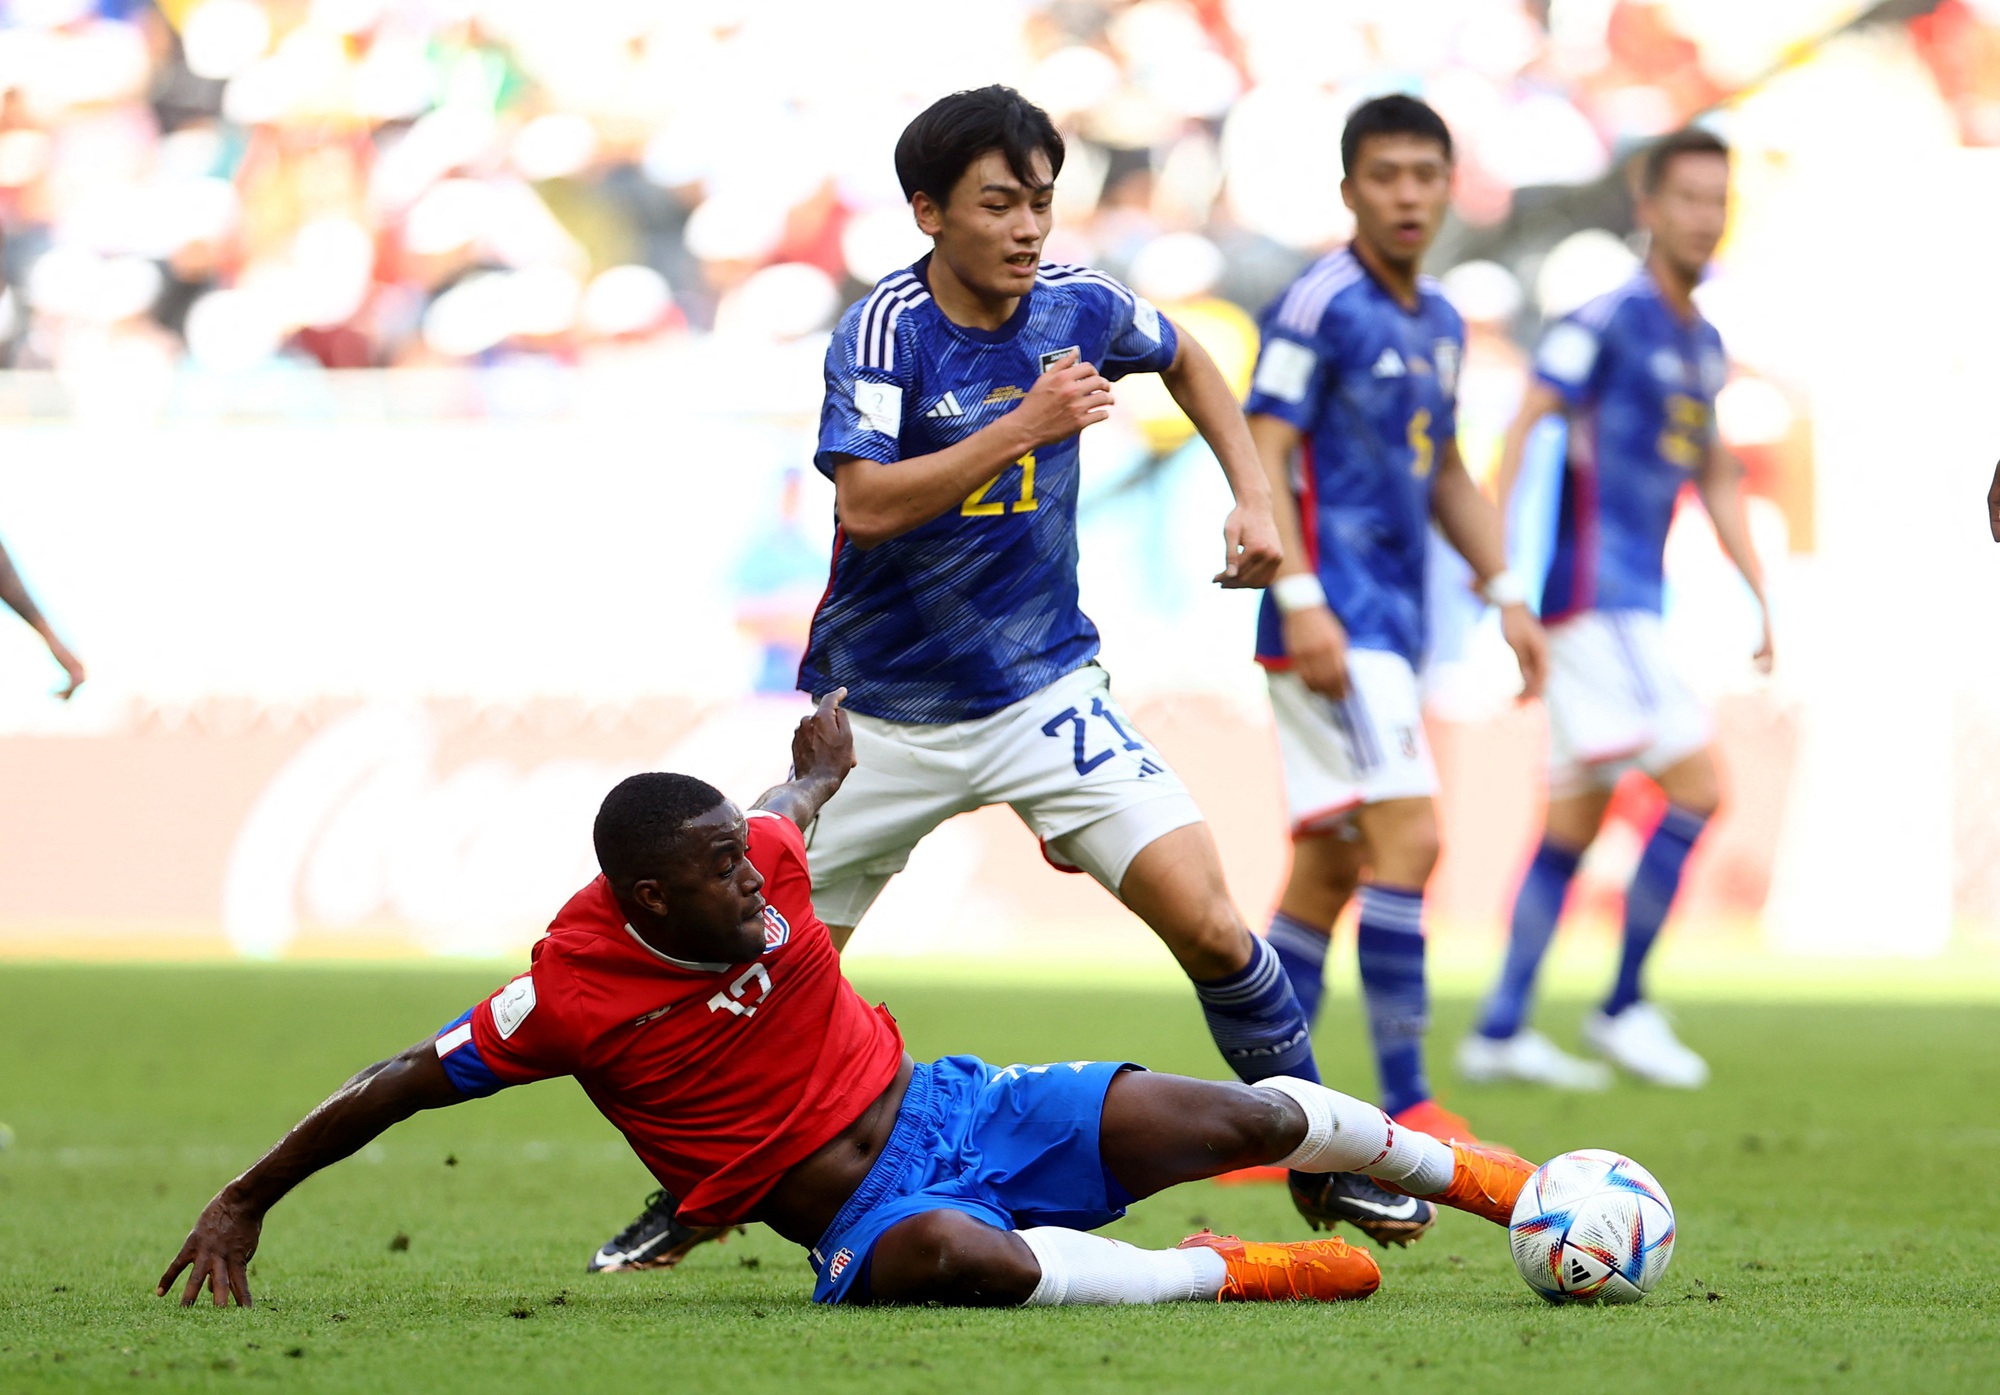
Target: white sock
(1082,1268)
(1344,1134)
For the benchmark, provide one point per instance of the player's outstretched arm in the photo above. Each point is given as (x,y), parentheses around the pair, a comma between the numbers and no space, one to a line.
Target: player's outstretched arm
(822,754)
(15,593)
(1720,483)
(217,1251)
(1472,524)
(877,502)
(1251,539)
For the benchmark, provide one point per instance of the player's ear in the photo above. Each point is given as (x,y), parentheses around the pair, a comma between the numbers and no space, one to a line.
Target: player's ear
(928,212)
(1347,192)
(649,896)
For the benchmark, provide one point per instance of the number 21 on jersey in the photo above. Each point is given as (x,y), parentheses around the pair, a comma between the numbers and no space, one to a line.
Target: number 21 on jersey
(977,505)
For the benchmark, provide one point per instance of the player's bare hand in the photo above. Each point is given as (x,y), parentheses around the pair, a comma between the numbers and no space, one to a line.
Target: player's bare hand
(1316,643)
(823,746)
(1530,642)
(1993,504)
(217,1253)
(1251,551)
(72,666)
(1064,400)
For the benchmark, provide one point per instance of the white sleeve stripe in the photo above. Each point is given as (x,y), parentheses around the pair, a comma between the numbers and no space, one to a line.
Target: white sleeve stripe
(1305,303)
(455,1038)
(875,340)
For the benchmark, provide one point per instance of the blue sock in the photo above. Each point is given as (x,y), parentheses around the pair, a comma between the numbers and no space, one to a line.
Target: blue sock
(1302,950)
(1650,896)
(1392,980)
(1255,1019)
(1537,907)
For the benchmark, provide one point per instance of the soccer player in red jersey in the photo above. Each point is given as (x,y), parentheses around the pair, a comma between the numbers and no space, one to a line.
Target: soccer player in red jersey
(15,593)
(697,998)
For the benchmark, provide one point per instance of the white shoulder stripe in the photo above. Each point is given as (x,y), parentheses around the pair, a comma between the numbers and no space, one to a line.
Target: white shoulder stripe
(875,336)
(1596,314)
(1306,301)
(1058,274)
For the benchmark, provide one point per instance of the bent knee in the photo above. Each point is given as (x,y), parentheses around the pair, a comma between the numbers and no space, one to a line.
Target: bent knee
(949,1257)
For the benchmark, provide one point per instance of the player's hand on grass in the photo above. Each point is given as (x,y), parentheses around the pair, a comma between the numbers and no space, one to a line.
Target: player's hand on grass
(1316,643)
(823,745)
(1530,642)
(72,666)
(1251,550)
(217,1253)
(1064,400)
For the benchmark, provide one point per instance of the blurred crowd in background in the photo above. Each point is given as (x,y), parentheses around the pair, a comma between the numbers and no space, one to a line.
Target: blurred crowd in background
(382,183)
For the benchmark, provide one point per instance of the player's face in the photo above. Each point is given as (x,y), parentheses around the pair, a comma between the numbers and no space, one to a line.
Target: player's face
(1398,190)
(709,905)
(1687,213)
(990,231)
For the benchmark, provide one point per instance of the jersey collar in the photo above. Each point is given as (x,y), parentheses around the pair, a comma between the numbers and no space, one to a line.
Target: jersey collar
(691,965)
(922,271)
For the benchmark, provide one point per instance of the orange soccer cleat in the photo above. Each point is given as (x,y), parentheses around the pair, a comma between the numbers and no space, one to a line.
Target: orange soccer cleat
(1428,1116)
(1484,1180)
(1322,1271)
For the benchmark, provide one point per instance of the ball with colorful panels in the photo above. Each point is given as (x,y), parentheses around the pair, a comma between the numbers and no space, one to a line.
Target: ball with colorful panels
(1592,1226)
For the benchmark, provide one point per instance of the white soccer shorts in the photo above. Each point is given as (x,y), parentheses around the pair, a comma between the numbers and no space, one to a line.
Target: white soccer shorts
(1067,758)
(1365,749)
(1615,702)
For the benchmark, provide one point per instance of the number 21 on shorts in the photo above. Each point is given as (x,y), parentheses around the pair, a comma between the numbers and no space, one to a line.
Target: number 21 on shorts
(1074,723)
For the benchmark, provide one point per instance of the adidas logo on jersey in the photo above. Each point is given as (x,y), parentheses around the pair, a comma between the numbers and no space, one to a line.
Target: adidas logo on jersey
(945,408)
(1390,365)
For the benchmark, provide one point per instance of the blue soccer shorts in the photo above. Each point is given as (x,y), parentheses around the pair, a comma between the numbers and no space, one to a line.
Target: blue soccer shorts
(1014,1146)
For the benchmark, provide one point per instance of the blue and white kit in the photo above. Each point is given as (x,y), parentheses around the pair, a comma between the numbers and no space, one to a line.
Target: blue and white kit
(1014,1146)
(1640,386)
(969,665)
(1372,387)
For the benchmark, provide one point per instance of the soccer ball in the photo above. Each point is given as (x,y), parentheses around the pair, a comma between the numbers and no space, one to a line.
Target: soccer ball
(1592,1227)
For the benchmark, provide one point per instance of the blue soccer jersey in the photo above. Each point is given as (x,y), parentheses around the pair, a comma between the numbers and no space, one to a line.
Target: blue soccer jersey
(977,608)
(1372,387)
(1640,385)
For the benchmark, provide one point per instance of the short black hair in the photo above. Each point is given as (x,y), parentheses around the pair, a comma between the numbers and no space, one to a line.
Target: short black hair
(1689,140)
(641,820)
(1393,115)
(952,132)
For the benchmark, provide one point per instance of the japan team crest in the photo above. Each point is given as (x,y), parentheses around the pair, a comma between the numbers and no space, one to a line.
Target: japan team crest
(777,929)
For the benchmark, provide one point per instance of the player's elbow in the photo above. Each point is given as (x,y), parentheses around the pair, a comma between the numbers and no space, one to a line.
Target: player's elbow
(867,521)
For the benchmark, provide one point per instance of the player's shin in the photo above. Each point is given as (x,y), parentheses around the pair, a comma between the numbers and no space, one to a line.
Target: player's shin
(1390,941)
(1081,1268)
(1255,1018)
(1344,1134)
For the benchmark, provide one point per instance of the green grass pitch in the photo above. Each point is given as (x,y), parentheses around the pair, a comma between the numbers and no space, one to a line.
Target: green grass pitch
(1838,1192)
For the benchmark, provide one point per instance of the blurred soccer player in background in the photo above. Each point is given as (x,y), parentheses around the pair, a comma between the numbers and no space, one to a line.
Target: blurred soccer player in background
(1636,373)
(955,394)
(1353,409)
(14,592)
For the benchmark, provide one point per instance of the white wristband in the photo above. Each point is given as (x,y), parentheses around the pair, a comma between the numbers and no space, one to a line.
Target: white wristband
(1299,592)
(1505,588)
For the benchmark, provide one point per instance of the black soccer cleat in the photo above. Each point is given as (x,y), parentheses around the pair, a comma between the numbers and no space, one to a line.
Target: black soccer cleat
(656,1240)
(1388,1218)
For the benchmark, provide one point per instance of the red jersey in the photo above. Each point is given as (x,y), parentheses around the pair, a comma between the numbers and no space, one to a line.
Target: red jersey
(720,1076)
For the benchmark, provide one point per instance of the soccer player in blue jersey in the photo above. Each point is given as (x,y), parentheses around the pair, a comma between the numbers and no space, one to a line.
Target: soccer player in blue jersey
(955,393)
(1635,373)
(1353,409)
